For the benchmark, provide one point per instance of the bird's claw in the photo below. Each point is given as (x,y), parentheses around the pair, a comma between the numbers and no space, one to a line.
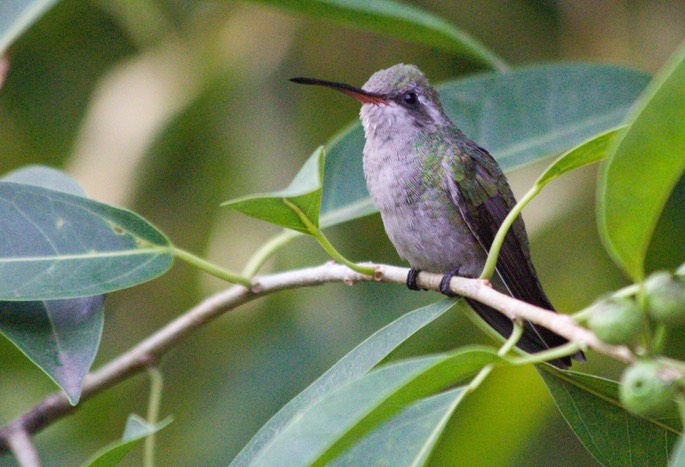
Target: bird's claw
(445,283)
(411,279)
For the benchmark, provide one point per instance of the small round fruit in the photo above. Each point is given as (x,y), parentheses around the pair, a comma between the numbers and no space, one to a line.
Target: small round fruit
(648,389)
(665,298)
(616,320)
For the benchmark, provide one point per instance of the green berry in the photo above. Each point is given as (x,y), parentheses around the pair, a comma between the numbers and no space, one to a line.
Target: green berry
(665,298)
(648,388)
(616,320)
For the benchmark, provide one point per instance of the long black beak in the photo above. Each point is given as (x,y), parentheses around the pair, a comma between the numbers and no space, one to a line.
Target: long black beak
(362,96)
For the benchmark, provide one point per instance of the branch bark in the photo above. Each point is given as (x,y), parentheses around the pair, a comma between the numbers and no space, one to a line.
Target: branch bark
(149,351)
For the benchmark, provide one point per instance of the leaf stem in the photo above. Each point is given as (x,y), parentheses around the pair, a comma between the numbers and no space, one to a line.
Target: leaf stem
(335,254)
(659,339)
(583,315)
(491,263)
(156,385)
(680,402)
(513,339)
(551,354)
(628,291)
(211,268)
(539,357)
(316,232)
(479,378)
(646,338)
(511,342)
(267,250)
(475,318)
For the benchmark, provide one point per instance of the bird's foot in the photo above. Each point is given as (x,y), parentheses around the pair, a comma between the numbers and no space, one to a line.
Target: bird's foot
(411,279)
(445,282)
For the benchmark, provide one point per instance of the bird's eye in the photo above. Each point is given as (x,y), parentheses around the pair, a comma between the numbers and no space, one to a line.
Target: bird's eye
(410,98)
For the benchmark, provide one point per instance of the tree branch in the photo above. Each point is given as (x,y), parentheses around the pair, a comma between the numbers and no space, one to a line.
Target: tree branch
(149,351)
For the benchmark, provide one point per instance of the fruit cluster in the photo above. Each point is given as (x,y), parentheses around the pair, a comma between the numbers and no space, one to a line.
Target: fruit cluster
(649,386)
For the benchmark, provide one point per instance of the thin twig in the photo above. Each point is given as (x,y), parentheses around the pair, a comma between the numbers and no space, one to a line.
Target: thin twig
(154,403)
(19,442)
(150,350)
(561,324)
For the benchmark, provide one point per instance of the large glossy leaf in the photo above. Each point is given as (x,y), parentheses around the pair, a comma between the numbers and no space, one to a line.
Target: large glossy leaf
(353,365)
(519,116)
(613,436)
(408,438)
(60,336)
(281,207)
(136,430)
(18,15)
(643,168)
(396,19)
(320,432)
(46,177)
(54,245)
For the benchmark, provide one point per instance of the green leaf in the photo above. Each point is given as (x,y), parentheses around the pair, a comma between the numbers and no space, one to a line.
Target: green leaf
(321,431)
(60,336)
(398,20)
(46,177)
(643,168)
(136,430)
(55,245)
(588,152)
(304,193)
(353,365)
(16,16)
(409,437)
(520,116)
(612,435)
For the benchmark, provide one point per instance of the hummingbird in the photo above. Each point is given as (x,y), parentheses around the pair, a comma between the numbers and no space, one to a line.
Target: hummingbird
(442,197)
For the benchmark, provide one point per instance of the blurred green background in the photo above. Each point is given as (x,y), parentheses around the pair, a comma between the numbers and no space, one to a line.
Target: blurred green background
(170,107)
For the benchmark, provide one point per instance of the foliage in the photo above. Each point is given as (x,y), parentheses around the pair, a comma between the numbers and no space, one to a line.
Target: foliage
(135,431)
(649,155)
(61,252)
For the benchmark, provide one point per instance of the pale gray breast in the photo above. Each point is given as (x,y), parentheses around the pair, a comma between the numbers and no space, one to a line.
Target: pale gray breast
(422,223)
